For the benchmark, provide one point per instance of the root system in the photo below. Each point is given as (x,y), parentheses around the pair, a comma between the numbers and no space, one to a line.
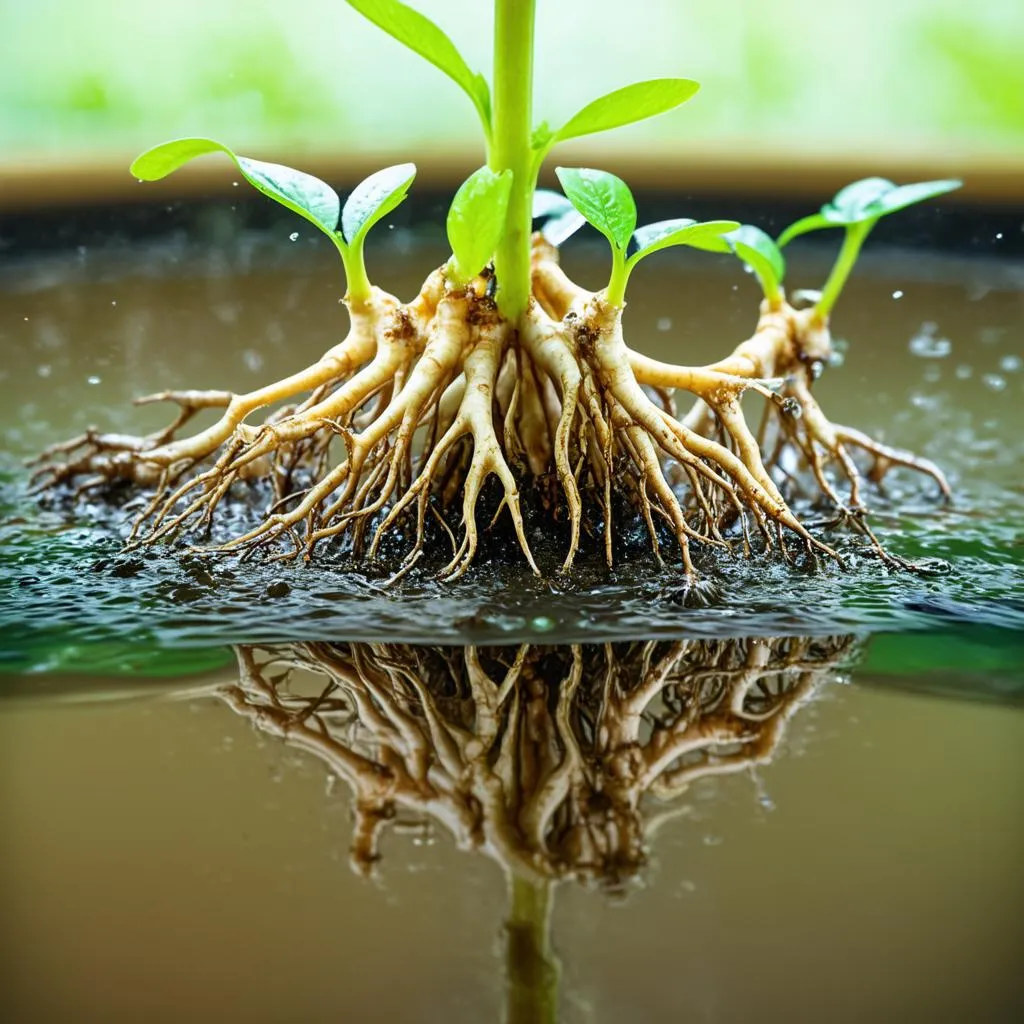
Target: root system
(399,428)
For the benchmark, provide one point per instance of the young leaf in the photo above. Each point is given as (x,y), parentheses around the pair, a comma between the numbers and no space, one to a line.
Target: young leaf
(603,199)
(375,198)
(852,202)
(754,248)
(899,197)
(305,195)
(682,231)
(867,200)
(476,220)
(624,106)
(422,36)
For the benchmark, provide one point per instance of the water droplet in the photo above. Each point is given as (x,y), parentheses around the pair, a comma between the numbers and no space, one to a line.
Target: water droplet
(898,294)
(964,372)
(543,623)
(999,235)
(994,382)
(928,345)
(253,360)
(391,227)
(26,319)
(1011,363)
(44,370)
(710,840)
(113,302)
(665,323)
(234,184)
(791,407)
(94,379)
(294,236)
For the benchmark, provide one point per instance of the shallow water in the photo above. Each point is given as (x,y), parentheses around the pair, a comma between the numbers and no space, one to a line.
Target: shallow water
(171,857)
(934,363)
(177,839)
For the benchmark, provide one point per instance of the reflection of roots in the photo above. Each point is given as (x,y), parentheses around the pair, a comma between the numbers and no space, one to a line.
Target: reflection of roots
(404,423)
(540,757)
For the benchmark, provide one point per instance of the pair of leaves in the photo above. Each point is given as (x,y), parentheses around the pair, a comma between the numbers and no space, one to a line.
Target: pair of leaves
(864,201)
(623,106)
(422,36)
(302,193)
(606,202)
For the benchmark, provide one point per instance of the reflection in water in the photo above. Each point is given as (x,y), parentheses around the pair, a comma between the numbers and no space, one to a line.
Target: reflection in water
(557,762)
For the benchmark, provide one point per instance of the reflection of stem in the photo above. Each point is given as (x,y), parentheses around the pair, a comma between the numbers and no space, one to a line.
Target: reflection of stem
(532,969)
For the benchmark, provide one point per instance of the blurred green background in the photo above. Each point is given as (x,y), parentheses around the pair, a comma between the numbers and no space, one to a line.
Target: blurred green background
(99,79)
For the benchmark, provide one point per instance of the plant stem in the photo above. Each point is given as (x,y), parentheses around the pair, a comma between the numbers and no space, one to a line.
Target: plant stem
(615,293)
(533,971)
(853,239)
(359,286)
(510,149)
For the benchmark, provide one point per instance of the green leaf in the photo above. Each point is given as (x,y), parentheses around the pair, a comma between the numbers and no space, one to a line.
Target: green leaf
(422,36)
(303,194)
(682,231)
(624,106)
(899,197)
(603,199)
(852,202)
(374,198)
(756,249)
(476,220)
(867,200)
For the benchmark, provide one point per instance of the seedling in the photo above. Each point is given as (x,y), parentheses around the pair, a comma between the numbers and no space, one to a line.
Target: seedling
(502,367)
(857,209)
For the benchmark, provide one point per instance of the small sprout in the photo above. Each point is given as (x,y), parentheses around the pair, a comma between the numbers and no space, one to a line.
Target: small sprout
(476,221)
(857,208)
(303,194)
(422,36)
(561,219)
(608,205)
(758,251)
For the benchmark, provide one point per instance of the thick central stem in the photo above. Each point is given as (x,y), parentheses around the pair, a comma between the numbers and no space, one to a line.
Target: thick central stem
(513,102)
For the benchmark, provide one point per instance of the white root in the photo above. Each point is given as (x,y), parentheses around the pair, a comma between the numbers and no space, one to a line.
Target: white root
(422,403)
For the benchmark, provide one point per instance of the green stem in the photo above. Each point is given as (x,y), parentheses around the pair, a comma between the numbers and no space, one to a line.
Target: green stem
(359,287)
(615,293)
(852,241)
(510,149)
(533,971)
